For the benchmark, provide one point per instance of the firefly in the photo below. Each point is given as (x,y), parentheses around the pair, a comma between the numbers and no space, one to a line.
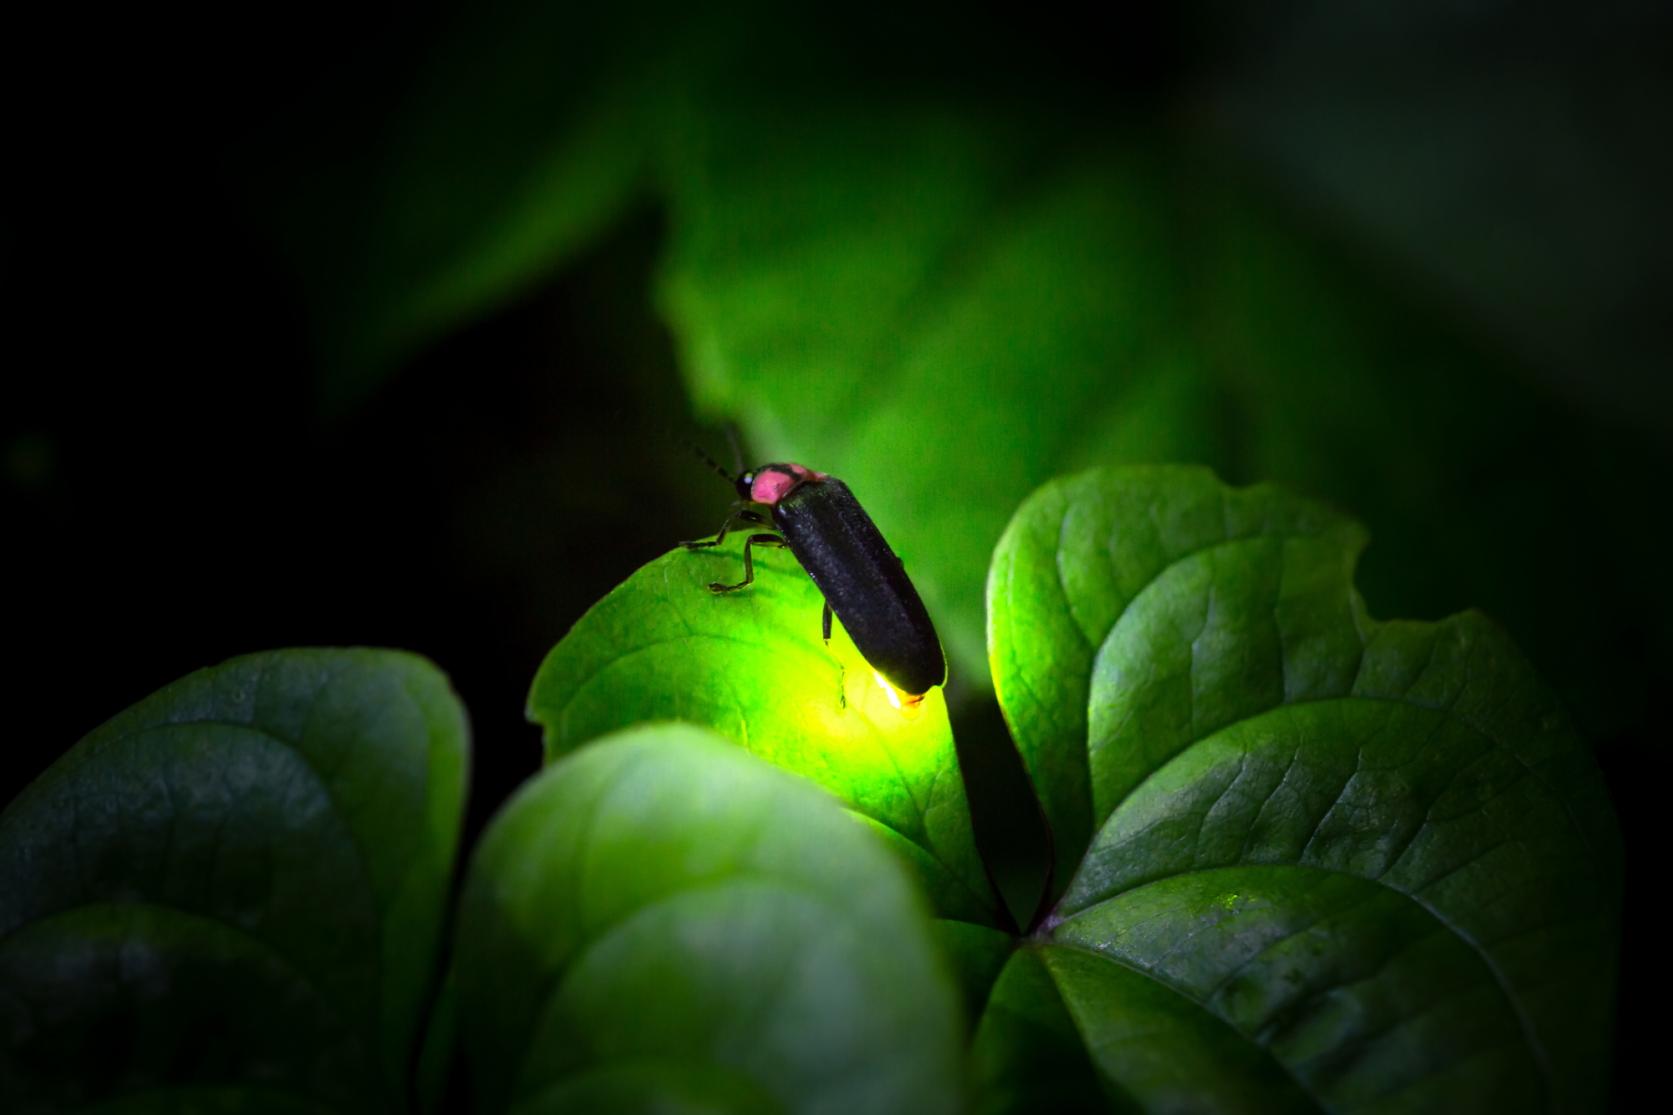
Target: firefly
(862,579)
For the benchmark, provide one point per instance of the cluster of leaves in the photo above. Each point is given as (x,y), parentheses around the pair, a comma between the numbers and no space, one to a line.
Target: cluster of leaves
(1303,858)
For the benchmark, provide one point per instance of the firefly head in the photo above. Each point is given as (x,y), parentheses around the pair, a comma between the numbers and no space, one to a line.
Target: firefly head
(771,483)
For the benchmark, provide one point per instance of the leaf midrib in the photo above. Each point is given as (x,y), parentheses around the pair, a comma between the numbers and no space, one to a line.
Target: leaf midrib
(1072,946)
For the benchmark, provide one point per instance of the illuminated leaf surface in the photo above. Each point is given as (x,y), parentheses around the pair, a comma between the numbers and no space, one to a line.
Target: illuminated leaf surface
(662,922)
(231,895)
(752,666)
(1323,861)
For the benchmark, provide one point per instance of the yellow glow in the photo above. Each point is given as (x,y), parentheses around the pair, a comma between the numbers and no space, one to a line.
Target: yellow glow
(863,707)
(904,702)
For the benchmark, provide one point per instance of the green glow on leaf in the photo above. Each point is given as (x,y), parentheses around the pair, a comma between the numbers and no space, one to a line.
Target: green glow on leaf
(751,665)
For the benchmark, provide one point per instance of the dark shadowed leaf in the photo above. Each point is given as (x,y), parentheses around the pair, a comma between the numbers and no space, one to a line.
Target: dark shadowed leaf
(662,922)
(752,666)
(417,195)
(230,896)
(1328,861)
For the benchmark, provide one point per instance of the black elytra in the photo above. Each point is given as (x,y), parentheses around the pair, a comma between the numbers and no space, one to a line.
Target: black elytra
(863,581)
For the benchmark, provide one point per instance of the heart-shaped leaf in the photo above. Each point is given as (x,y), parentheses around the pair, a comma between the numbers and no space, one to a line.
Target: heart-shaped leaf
(1322,860)
(752,666)
(230,896)
(662,922)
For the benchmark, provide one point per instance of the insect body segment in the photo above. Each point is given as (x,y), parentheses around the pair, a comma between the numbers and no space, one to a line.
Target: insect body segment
(845,554)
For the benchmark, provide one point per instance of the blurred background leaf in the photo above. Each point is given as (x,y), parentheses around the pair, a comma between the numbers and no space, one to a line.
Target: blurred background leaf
(231,897)
(511,134)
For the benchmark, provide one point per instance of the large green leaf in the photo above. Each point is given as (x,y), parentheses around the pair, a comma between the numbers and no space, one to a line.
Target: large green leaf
(661,922)
(752,666)
(230,896)
(1316,859)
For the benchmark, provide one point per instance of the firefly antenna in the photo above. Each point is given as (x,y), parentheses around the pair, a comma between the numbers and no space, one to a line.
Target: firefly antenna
(737,449)
(730,478)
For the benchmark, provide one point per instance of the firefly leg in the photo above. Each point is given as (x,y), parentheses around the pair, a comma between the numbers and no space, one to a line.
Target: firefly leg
(736,516)
(825,622)
(749,565)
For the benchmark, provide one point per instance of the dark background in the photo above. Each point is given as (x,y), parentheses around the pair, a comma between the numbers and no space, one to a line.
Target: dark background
(179,486)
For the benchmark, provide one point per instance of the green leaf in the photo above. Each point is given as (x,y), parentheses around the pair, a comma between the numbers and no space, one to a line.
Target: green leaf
(1071,562)
(751,665)
(1028,1054)
(1362,393)
(661,922)
(1327,860)
(231,894)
